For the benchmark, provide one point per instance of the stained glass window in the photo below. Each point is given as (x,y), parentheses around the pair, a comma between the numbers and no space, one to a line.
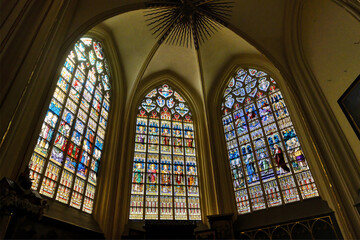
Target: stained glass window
(66,158)
(165,183)
(267,162)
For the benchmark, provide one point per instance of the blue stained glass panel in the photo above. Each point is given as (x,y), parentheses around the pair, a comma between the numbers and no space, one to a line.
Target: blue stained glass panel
(82,170)
(99,143)
(69,65)
(55,107)
(68,117)
(63,84)
(70,164)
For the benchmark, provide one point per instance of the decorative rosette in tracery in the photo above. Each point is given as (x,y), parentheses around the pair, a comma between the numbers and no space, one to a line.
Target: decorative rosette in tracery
(248,84)
(165,103)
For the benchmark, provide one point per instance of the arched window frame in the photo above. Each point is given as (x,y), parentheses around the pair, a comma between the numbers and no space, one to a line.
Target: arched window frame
(241,199)
(80,188)
(187,206)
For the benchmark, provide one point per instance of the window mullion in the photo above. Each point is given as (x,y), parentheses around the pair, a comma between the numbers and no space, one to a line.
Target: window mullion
(57,183)
(81,142)
(95,135)
(242,160)
(270,155)
(285,150)
(146,163)
(51,143)
(255,157)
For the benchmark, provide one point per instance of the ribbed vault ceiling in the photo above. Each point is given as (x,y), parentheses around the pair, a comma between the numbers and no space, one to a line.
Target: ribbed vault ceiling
(142,56)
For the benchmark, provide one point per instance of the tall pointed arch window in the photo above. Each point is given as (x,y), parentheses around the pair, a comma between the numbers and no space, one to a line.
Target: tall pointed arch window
(267,163)
(164,179)
(66,158)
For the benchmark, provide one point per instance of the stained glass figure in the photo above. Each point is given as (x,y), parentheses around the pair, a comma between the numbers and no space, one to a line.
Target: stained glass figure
(267,163)
(165,184)
(66,158)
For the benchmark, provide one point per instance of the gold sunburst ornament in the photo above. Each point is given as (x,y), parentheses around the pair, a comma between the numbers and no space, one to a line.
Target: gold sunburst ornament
(183,22)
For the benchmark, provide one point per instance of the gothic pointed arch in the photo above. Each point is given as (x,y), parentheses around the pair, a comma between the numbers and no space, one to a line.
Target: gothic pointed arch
(164,184)
(67,155)
(268,165)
